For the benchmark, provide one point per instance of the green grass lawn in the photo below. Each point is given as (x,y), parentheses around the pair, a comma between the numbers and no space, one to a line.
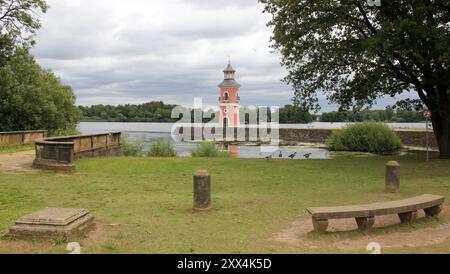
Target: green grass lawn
(15,148)
(151,200)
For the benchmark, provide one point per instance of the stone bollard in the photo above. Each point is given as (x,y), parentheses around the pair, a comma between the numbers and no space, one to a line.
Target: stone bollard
(202,190)
(392,177)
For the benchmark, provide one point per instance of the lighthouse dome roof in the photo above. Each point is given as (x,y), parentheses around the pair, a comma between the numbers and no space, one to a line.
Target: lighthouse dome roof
(229,68)
(229,83)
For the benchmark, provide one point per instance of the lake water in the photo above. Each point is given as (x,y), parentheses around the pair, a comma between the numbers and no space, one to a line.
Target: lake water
(147,133)
(99,127)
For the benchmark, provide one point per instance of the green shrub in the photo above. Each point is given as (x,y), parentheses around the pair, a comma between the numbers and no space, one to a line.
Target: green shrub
(162,148)
(131,150)
(64,132)
(208,149)
(365,137)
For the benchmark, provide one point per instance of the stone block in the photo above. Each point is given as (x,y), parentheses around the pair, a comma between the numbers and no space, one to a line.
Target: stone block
(202,190)
(408,217)
(365,223)
(433,211)
(392,177)
(53,223)
(320,226)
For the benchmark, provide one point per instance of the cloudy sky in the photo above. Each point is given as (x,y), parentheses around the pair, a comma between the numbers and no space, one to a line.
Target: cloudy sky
(135,51)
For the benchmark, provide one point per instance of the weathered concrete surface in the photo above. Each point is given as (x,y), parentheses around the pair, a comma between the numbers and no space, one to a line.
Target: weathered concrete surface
(365,223)
(417,138)
(364,213)
(392,177)
(305,135)
(21,137)
(408,217)
(411,138)
(53,223)
(202,190)
(433,211)
(320,226)
(61,153)
(52,165)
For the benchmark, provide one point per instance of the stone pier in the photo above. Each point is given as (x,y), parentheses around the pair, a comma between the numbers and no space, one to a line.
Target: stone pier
(202,191)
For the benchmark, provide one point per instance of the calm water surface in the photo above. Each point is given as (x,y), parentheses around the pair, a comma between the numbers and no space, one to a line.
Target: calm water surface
(147,133)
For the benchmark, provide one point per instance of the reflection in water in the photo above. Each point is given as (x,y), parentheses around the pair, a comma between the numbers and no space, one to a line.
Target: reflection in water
(233,149)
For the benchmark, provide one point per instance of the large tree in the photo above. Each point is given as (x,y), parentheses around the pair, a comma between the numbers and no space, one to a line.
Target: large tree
(19,20)
(355,52)
(32,98)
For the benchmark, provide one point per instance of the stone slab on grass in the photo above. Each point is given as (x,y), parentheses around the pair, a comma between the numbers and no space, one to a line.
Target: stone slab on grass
(53,223)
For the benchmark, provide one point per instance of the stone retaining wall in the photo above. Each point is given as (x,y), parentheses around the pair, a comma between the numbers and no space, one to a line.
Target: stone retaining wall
(413,138)
(417,138)
(305,135)
(21,137)
(60,153)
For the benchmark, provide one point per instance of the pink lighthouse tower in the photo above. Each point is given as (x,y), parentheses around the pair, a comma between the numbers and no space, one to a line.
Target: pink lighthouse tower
(229,99)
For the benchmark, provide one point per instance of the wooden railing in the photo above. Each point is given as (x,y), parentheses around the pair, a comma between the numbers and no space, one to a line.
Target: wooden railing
(60,153)
(21,137)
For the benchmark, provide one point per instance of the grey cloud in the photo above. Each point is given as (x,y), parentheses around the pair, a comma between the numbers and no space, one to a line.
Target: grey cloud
(116,52)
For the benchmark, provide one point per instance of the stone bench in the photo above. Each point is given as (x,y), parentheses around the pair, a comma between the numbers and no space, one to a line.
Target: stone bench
(364,215)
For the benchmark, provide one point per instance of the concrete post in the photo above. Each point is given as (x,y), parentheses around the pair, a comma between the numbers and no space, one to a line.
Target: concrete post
(202,190)
(392,177)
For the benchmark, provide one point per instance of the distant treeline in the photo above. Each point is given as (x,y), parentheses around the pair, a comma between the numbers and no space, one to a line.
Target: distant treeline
(158,112)
(387,115)
(151,112)
(155,112)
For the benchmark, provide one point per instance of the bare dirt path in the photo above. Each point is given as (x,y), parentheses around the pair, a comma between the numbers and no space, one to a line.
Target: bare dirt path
(299,234)
(17,161)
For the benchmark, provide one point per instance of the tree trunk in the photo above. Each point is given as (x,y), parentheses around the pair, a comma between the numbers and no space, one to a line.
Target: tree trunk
(441,123)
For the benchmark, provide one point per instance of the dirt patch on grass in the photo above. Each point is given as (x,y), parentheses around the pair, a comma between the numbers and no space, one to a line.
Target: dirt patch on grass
(102,232)
(19,247)
(388,232)
(17,161)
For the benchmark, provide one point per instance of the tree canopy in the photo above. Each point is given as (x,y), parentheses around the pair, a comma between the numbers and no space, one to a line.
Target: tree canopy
(148,112)
(387,115)
(32,98)
(19,20)
(354,52)
(160,112)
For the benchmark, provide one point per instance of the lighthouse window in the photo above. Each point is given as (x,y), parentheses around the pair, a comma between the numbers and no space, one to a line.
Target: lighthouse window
(226,96)
(226,111)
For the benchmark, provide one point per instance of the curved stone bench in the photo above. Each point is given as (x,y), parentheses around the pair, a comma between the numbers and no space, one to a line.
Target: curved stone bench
(364,215)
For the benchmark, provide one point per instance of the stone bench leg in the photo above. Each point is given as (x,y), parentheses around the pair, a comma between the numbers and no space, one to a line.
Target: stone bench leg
(320,226)
(365,223)
(433,211)
(408,217)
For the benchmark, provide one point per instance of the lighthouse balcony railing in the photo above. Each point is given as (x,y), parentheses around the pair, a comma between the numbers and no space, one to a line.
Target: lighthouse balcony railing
(229,101)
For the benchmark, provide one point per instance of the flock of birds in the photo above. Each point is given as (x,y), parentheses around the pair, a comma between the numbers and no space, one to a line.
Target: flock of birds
(292,156)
